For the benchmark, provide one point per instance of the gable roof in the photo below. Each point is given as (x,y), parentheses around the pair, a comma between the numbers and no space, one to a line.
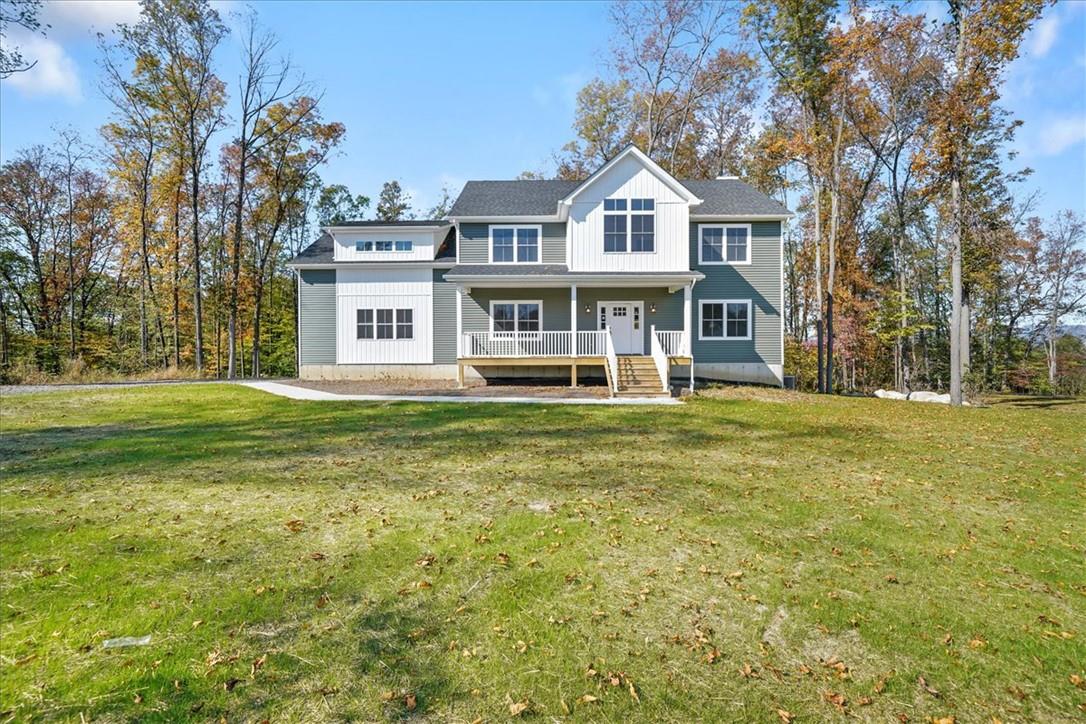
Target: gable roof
(653,168)
(720,197)
(322,251)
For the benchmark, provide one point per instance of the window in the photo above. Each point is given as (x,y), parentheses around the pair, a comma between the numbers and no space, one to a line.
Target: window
(629,224)
(405,327)
(371,245)
(725,319)
(363,246)
(520,317)
(382,246)
(724,244)
(384,324)
(405,245)
(365,324)
(515,244)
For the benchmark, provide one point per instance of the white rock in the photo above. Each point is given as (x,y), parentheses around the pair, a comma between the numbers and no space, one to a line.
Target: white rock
(926,396)
(890,395)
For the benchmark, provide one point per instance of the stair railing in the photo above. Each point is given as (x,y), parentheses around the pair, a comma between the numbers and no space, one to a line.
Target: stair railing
(659,356)
(612,361)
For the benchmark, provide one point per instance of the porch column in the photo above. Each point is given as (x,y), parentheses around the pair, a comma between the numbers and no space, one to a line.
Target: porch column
(459,323)
(573,317)
(688,327)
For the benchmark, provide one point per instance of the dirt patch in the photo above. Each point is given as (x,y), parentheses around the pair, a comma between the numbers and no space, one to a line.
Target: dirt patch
(449,388)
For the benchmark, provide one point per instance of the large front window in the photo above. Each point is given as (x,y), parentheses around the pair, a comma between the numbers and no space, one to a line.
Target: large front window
(629,224)
(725,319)
(508,317)
(724,244)
(514,244)
(385,324)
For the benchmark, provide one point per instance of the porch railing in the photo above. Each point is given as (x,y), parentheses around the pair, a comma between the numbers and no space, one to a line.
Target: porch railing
(674,343)
(533,344)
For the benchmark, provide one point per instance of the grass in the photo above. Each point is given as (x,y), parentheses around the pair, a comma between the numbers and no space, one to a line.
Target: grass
(752,555)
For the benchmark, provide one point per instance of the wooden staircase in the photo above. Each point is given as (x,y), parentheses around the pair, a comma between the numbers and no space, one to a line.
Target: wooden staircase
(637,377)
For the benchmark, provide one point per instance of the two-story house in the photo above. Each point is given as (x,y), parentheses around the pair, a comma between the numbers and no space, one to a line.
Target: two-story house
(631,274)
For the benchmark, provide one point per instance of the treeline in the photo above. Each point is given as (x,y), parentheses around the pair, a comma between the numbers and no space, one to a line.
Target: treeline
(915,261)
(158,248)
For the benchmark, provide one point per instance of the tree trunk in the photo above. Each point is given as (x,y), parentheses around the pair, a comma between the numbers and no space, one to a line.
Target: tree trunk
(177,278)
(818,282)
(71,268)
(956,336)
(198,310)
(235,270)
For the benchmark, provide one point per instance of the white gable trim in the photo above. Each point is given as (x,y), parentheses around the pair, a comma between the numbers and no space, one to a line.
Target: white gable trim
(653,168)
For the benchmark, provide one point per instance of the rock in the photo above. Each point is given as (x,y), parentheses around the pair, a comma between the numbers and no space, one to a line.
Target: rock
(926,396)
(890,395)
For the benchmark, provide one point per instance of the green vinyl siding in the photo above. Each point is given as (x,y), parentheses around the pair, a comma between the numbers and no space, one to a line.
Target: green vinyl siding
(760,282)
(668,315)
(317,316)
(444,304)
(476,307)
(474,239)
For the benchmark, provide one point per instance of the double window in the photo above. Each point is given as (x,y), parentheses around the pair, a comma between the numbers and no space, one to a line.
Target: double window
(725,319)
(724,244)
(375,245)
(514,244)
(629,224)
(516,316)
(385,324)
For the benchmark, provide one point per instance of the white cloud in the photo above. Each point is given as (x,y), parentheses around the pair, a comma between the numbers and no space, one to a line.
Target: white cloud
(1044,34)
(54,72)
(1060,134)
(71,18)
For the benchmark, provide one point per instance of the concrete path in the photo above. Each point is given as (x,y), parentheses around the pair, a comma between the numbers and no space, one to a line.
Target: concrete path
(305,393)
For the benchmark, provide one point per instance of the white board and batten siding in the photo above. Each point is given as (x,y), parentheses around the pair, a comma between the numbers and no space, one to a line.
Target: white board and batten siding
(422,245)
(384,289)
(631,180)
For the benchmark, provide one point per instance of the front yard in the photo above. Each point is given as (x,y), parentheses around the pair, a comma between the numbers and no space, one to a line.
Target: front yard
(752,555)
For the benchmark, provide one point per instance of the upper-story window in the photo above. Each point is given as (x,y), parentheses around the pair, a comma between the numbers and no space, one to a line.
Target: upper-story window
(629,224)
(371,245)
(514,244)
(724,244)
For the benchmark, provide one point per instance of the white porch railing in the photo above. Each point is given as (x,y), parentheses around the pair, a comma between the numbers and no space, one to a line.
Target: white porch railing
(659,357)
(674,343)
(612,360)
(533,344)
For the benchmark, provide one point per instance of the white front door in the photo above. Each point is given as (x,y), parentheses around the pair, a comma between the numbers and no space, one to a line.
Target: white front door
(624,319)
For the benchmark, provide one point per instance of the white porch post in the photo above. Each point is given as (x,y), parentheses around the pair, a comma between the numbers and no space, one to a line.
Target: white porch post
(688,327)
(573,317)
(459,322)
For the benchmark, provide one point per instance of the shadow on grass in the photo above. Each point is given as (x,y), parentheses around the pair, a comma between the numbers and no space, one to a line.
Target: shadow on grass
(1037,402)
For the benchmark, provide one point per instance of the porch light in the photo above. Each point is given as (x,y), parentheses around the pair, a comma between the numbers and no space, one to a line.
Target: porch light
(587,309)
(652,307)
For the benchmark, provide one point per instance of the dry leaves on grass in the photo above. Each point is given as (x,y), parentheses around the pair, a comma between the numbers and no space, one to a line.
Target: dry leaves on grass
(295,525)
(518,708)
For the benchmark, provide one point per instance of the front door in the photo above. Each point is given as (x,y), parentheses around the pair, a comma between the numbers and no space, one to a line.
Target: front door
(624,319)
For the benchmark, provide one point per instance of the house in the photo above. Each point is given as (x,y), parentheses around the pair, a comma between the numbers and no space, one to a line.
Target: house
(631,275)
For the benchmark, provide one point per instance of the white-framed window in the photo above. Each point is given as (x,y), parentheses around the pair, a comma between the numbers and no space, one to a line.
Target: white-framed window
(516,316)
(370,245)
(629,225)
(515,244)
(385,324)
(724,244)
(724,319)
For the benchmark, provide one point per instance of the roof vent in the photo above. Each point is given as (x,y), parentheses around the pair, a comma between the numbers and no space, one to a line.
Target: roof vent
(727,178)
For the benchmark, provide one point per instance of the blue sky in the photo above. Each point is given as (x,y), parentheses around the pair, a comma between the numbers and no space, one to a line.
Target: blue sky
(435,94)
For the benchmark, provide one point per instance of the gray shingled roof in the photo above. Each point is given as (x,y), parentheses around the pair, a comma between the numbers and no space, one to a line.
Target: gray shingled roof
(408,223)
(511,198)
(502,270)
(722,197)
(731,197)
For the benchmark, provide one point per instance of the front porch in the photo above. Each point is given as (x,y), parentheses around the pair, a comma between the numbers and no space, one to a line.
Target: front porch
(632,335)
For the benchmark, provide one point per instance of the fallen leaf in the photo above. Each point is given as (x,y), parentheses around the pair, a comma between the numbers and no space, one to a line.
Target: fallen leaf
(519,707)
(785,716)
(587,699)
(928,688)
(322,601)
(943,720)
(317,556)
(410,702)
(198,622)
(229,684)
(294,525)
(838,700)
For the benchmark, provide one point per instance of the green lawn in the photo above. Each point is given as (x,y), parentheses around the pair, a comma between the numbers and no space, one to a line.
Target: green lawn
(751,555)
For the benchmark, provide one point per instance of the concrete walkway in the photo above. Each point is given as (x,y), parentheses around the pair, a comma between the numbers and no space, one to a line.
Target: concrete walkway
(305,393)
